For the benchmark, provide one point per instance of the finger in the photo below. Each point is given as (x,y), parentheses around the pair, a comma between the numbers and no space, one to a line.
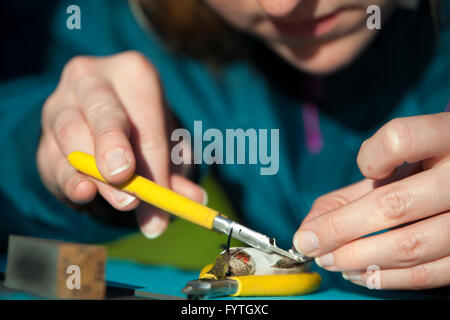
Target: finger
(109,125)
(415,244)
(73,134)
(70,184)
(153,222)
(75,186)
(436,161)
(339,198)
(410,199)
(430,275)
(118,199)
(46,169)
(70,131)
(409,139)
(188,189)
(143,99)
(61,178)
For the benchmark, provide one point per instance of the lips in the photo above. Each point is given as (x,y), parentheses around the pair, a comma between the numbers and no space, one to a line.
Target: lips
(315,27)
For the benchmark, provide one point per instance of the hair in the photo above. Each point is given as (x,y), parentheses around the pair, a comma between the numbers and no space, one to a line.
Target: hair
(192,28)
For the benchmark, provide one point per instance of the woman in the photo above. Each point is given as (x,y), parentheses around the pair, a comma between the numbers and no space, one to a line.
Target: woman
(337,88)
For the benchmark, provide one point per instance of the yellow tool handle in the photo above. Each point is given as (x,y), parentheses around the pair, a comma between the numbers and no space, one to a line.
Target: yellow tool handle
(271,285)
(204,272)
(150,192)
(277,284)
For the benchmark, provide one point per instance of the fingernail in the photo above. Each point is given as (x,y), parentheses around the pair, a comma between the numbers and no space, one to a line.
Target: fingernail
(123,198)
(152,236)
(352,275)
(325,261)
(77,184)
(116,161)
(153,229)
(205,197)
(306,241)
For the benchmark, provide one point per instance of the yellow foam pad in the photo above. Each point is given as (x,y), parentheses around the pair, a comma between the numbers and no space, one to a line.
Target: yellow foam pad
(277,285)
(271,285)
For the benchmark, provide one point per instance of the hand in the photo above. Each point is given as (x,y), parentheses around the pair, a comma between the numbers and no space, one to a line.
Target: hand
(113,108)
(410,201)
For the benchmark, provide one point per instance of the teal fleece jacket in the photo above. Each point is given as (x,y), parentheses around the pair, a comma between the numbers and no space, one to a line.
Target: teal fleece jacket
(322,121)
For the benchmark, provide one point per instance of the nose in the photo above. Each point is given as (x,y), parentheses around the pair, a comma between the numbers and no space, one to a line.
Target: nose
(279,8)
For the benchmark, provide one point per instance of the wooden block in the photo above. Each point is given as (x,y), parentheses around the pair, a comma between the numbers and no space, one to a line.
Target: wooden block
(56,269)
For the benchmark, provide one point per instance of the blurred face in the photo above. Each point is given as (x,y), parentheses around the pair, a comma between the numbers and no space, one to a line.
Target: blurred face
(316,36)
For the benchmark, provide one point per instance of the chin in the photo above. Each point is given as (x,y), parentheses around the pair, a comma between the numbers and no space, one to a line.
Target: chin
(326,57)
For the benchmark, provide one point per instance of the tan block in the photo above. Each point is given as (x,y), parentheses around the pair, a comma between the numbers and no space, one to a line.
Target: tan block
(56,269)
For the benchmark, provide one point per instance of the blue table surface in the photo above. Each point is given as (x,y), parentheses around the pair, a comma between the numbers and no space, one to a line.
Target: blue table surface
(168,281)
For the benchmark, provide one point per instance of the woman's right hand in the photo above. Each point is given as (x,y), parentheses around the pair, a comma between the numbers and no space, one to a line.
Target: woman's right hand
(111,107)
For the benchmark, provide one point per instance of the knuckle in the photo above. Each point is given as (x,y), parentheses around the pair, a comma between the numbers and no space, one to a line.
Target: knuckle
(337,200)
(151,140)
(92,89)
(107,133)
(69,185)
(51,100)
(134,56)
(67,180)
(101,108)
(47,108)
(409,248)
(76,66)
(117,120)
(397,137)
(335,230)
(329,202)
(90,83)
(65,129)
(354,258)
(419,277)
(319,203)
(156,143)
(97,98)
(393,203)
(62,171)
(137,63)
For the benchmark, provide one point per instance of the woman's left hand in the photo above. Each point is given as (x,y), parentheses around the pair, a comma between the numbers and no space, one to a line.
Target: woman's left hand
(410,200)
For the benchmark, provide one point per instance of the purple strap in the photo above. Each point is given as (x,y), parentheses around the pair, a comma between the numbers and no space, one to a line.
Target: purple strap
(311,122)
